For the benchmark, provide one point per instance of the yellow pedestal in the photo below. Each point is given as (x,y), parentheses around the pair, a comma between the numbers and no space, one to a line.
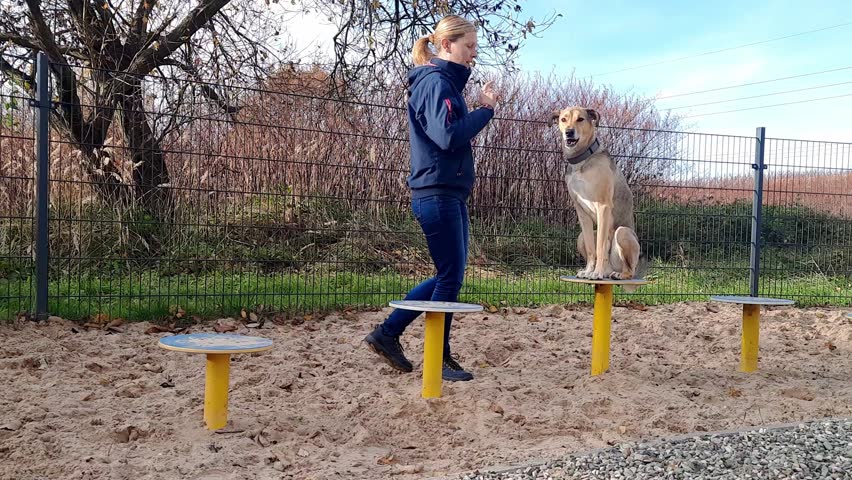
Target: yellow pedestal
(751,324)
(751,338)
(602,323)
(216,390)
(433,348)
(601,329)
(218,348)
(433,354)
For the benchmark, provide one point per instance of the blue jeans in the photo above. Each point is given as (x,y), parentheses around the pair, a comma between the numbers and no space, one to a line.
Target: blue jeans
(444,221)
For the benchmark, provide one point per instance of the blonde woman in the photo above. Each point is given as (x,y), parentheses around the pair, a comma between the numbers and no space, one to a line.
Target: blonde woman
(442,175)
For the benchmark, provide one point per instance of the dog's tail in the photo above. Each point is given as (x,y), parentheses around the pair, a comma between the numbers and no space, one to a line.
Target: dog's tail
(641,270)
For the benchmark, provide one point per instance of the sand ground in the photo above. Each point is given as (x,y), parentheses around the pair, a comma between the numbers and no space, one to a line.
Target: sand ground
(93,403)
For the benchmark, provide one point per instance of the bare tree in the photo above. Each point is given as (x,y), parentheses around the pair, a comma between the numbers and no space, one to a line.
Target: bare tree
(113,63)
(108,59)
(374,38)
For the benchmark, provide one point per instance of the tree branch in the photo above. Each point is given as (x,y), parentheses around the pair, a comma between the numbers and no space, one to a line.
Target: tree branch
(139,24)
(19,40)
(34,44)
(155,54)
(26,81)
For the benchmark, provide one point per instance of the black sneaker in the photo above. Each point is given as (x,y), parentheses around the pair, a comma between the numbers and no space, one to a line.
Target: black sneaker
(453,372)
(389,349)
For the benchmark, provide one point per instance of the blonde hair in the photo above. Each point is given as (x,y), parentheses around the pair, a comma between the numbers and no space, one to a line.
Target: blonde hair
(451,27)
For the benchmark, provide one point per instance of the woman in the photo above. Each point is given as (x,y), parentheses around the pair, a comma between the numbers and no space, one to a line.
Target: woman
(442,174)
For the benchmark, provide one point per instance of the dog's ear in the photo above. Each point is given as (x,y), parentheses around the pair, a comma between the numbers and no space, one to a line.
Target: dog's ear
(594,115)
(554,117)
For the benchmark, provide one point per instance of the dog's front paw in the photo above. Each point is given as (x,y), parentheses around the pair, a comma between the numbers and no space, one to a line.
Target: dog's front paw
(583,273)
(595,275)
(619,276)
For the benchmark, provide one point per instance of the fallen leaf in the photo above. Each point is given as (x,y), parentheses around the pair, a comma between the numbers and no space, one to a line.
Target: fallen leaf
(407,469)
(95,367)
(519,419)
(637,306)
(115,323)
(735,393)
(158,329)
(622,429)
(830,345)
(386,460)
(243,313)
(798,393)
(13,425)
(229,429)
(492,309)
(152,368)
(224,327)
(252,325)
(261,440)
(253,316)
(128,434)
(712,308)
(534,319)
(496,409)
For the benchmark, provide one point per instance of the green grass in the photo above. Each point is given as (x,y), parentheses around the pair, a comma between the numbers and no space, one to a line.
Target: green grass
(150,296)
(696,250)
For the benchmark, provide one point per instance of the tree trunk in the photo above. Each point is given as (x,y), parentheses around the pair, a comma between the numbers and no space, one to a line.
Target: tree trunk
(89,137)
(150,173)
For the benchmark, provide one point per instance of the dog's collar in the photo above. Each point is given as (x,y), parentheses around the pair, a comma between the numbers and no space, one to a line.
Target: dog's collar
(586,153)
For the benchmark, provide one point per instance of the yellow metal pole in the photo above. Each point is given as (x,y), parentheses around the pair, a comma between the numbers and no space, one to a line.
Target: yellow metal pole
(216,390)
(433,354)
(751,338)
(601,328)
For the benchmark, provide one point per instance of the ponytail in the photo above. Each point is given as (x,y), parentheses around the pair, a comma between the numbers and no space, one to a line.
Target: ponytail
(421,52)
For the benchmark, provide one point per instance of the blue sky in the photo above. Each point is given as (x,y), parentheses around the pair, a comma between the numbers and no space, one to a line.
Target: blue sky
(593,39)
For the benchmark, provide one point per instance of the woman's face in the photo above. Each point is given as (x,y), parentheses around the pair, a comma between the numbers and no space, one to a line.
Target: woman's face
(462,50)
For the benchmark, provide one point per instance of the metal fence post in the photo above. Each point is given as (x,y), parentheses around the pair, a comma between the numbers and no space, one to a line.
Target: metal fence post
(756,210)
(43,105)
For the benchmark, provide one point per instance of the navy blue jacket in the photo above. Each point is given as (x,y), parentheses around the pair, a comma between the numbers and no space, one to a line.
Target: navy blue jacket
(441,130)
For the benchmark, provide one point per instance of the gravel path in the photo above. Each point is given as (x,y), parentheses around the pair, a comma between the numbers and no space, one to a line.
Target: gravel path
(813,450)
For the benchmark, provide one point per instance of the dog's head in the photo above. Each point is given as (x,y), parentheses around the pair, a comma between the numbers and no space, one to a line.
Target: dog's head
(577,128)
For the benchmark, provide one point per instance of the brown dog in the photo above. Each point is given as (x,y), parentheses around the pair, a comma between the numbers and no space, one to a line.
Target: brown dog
(601,198)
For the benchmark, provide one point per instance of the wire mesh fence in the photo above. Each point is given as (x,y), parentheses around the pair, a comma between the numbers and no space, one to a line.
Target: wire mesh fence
(807,227)
(168,199)
(17,144)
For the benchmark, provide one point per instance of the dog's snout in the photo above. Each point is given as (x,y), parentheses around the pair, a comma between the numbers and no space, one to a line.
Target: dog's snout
(569,133)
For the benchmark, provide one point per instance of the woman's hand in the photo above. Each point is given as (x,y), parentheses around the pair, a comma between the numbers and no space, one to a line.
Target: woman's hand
(488,96)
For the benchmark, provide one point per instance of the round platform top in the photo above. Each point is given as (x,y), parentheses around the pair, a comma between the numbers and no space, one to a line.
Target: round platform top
(433,306)
(849,315)
(745,300)
(604,281)
(215,343)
